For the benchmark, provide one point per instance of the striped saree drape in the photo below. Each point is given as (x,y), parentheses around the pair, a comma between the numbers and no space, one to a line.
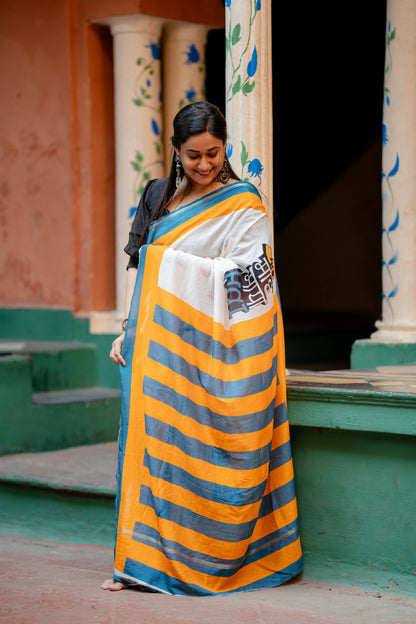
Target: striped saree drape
(205,500)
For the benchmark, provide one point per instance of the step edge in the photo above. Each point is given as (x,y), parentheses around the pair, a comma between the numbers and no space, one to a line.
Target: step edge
(41,484)
(109,394)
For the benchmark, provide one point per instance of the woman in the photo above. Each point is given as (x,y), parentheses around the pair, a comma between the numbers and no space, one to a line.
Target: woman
(205,501)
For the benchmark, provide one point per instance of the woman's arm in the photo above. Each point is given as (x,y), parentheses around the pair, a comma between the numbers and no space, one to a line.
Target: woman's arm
(115,353)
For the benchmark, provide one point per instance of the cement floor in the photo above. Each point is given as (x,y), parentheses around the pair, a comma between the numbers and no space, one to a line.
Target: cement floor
(43,582)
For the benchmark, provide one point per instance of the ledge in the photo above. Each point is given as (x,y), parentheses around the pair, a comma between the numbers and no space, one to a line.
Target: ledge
(379,400)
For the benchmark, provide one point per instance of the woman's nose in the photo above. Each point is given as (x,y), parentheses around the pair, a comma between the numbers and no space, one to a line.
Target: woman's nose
(203,163)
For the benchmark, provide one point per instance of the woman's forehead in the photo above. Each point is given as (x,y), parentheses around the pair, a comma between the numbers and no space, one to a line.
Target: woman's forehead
(202,142)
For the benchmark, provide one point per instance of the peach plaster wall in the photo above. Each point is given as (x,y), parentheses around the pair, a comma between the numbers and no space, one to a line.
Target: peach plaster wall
(36,220)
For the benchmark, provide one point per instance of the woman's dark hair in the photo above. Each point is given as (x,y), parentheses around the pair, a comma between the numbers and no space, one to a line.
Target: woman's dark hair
(195,118)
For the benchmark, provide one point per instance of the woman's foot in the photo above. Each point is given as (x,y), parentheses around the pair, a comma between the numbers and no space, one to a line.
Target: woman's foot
(113,585)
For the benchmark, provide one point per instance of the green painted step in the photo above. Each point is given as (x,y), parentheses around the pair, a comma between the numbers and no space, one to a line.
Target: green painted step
(63,495)
(55,365)
(354,451)
(51,420)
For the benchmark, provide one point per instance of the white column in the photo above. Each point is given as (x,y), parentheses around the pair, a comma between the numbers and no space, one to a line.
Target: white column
(249,101)
(398,322)
(138,123)
(183,72)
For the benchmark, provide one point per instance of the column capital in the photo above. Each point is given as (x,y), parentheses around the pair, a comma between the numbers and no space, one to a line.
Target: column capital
(123,24)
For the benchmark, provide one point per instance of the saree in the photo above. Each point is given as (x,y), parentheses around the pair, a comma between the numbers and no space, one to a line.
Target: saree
(205,499)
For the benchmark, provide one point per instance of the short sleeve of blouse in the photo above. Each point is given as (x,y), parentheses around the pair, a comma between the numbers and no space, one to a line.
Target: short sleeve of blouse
(150,199)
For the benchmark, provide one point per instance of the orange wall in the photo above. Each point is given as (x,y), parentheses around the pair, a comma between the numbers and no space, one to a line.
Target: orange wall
(57,148)
(35,153)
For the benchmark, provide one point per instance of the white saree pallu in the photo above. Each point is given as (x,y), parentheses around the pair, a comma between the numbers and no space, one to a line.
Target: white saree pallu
(206,500)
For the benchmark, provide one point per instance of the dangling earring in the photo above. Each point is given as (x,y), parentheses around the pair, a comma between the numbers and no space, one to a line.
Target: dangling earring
(178,171)
(224,175)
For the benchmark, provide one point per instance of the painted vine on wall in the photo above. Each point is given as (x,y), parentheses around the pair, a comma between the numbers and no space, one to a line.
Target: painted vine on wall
(242,59)
(390,252)
(145,97)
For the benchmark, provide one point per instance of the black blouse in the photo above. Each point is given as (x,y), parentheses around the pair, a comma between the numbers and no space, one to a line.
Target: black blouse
(149,201)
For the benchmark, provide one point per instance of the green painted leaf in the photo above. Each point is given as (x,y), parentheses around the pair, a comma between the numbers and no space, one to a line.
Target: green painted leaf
(244,154)
(248,87)
(146,175)
(392,35)
(141,189)
(139,61)
(237,84)
(236,35)
(135,166)
(139,156)
(138,102)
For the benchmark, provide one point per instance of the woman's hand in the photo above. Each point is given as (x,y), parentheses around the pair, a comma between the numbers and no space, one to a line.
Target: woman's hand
(115,353)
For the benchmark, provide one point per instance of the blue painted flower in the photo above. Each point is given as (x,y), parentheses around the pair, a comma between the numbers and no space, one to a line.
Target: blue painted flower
(395,168)
(394,291)
(395,223)
(252,66)
(148,83)
(385,135)
(193,55)
(255,168)
(132,211)
(155,127)
(258,5)
(394,259)
(190,94)
(229,150)
(155,50)
(228,3)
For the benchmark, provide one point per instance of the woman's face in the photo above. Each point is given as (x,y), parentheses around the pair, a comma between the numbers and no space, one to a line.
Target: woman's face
(202,158)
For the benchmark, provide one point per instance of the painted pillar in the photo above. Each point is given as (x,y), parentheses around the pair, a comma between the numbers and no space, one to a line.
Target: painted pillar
(398,322)
(183,72)
(249,98)
(138,123)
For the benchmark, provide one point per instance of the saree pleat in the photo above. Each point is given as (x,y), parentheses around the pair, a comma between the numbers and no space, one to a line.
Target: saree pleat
(206,500)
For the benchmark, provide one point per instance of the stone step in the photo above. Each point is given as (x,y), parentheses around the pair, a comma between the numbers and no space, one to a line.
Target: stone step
(52,420)
(78,395)
(55,365)
(65,495)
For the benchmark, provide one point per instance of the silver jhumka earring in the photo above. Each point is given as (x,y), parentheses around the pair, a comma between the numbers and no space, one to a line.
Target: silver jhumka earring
(224,175)
(178,171)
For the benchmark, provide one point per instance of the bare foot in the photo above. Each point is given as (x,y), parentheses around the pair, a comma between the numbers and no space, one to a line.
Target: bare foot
(113,585)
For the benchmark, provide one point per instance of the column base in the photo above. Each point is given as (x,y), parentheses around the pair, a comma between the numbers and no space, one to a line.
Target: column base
(372,352)
(106,322)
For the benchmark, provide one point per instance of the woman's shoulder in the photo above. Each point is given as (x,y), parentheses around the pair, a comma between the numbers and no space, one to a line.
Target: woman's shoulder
(153,193)
(244,186)
(156,186)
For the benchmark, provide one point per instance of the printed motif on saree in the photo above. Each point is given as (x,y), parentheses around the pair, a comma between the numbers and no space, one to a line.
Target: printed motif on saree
(206,500)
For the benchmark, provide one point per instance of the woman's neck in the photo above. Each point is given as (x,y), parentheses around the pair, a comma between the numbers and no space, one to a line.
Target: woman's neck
(188,192)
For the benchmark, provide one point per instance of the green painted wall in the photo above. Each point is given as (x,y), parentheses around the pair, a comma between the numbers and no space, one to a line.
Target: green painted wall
(357,507)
